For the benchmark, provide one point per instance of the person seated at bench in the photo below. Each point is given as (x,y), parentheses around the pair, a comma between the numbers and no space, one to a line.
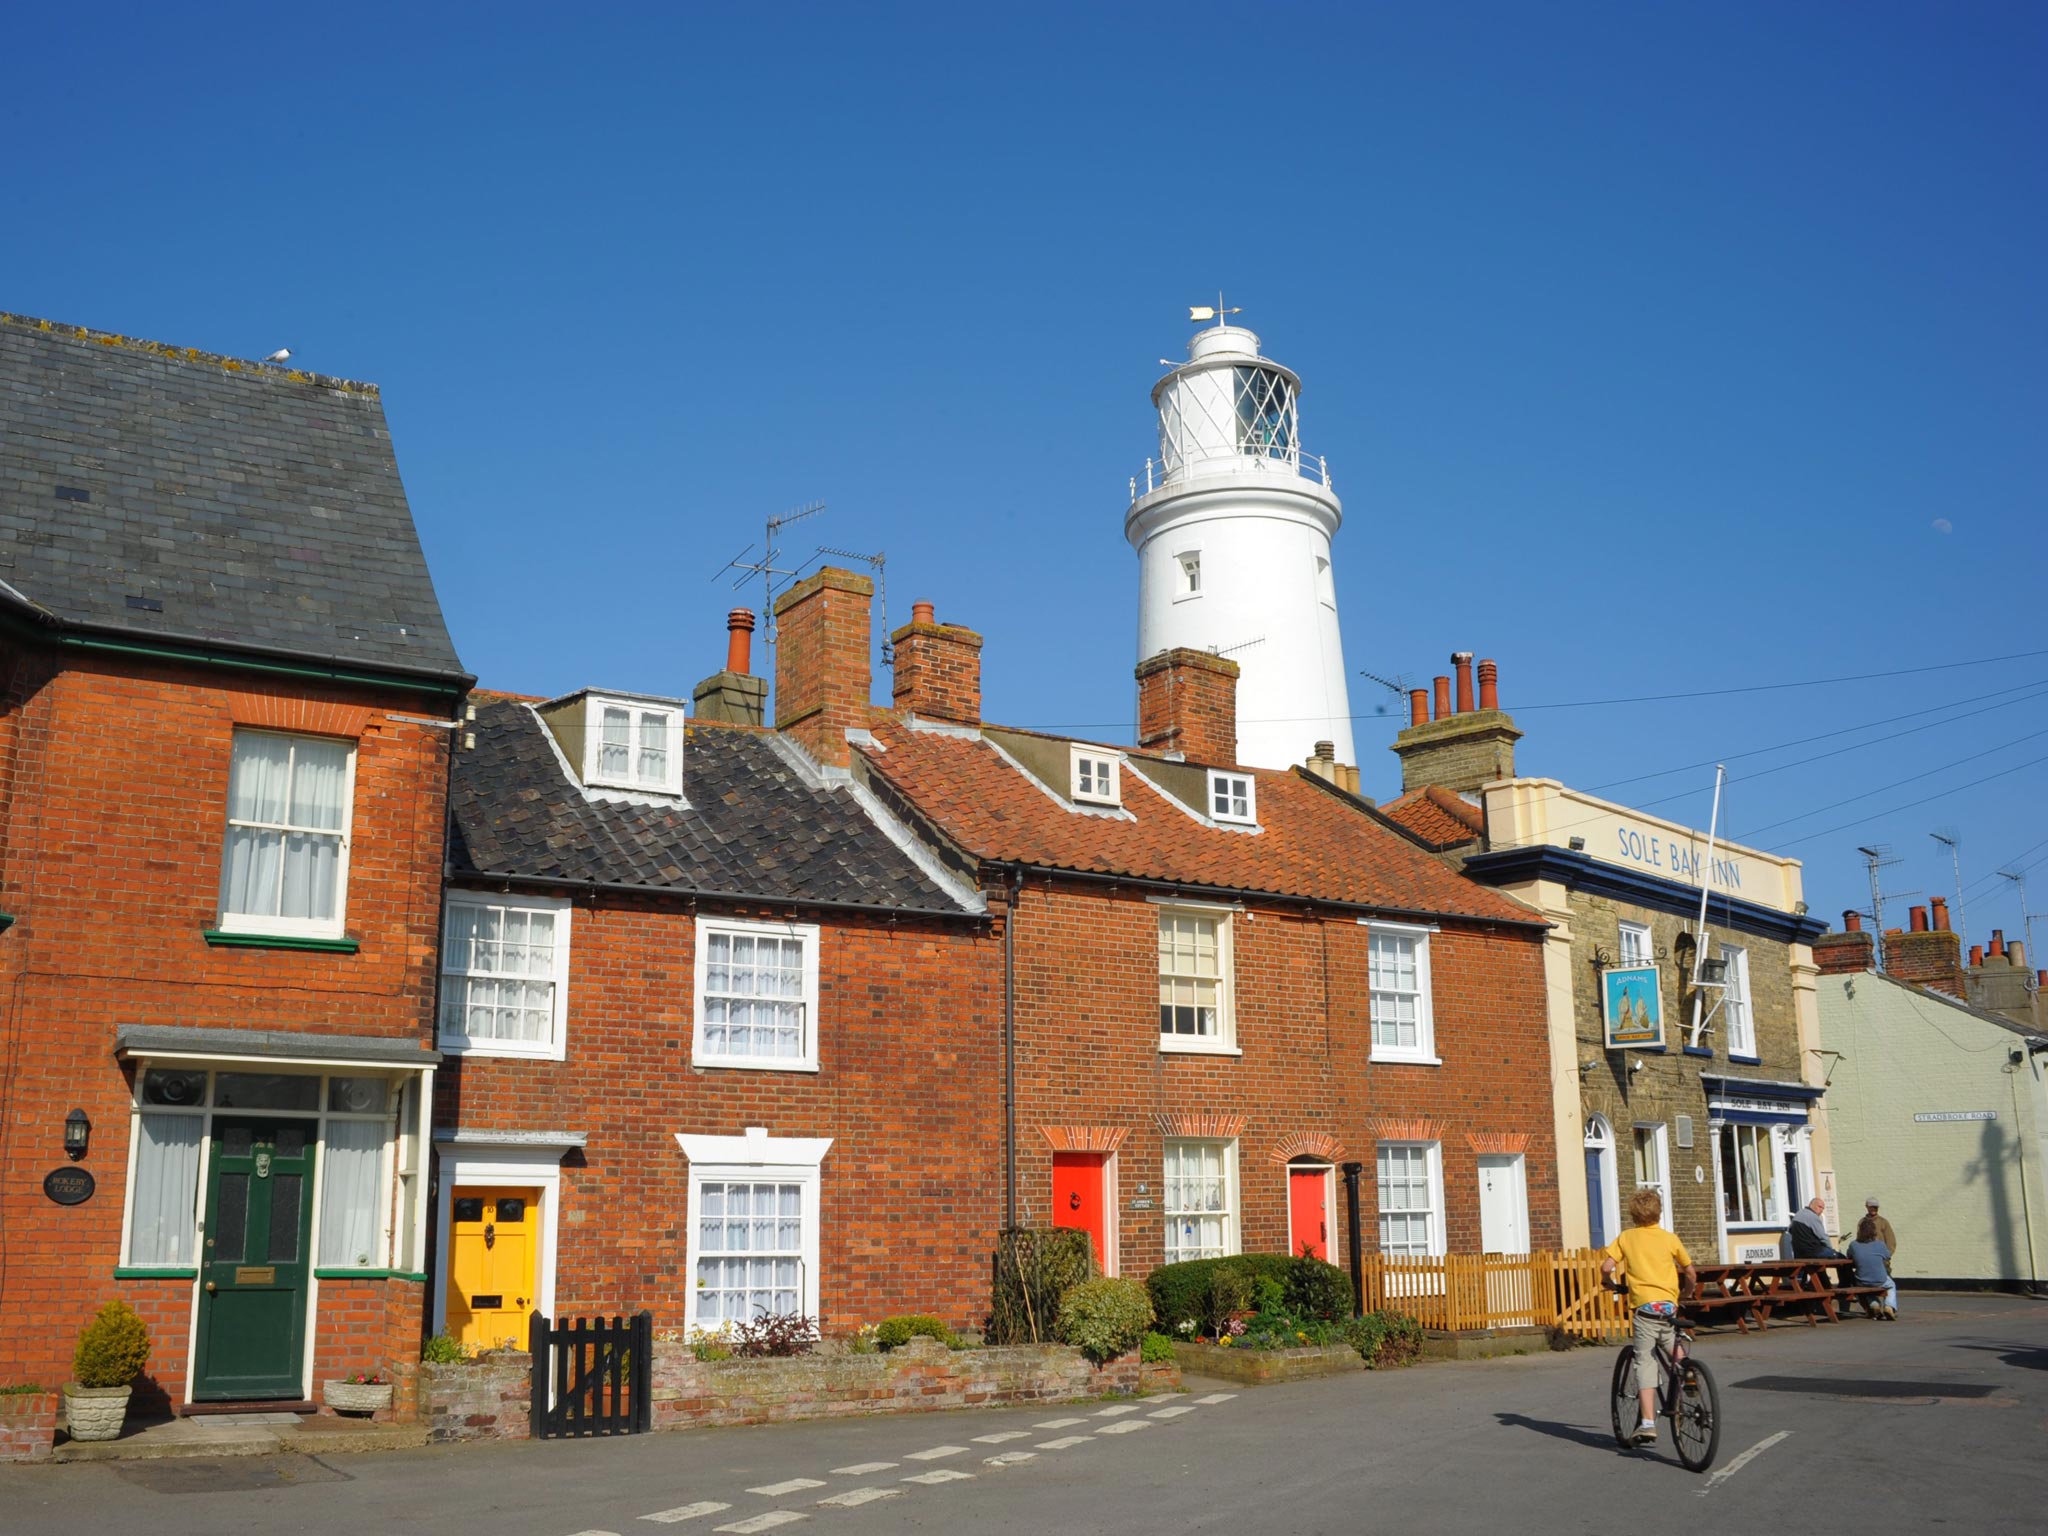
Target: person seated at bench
(1873,1267)
(1809,1236)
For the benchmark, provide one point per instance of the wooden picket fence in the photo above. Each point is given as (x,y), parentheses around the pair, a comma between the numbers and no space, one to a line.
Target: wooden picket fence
(1457,1291)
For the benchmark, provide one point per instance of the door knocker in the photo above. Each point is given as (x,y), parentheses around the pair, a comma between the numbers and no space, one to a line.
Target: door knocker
(1073,1199)
(263,1162)
(490,1234)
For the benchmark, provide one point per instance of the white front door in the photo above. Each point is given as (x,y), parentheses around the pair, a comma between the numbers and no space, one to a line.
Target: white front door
(1503,1204)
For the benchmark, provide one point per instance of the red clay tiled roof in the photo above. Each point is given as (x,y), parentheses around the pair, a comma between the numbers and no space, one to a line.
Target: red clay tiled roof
(1312,842)
(1438,817)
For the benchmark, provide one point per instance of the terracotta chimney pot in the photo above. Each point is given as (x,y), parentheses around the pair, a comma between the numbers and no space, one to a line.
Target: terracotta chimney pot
(1462,660)
(739,640)
(1852,922)
(1443,699)
(1976,956)
(1941,914)
(1917,917)
(923,613)
(1489,685)
(1418,706)
(1997,945)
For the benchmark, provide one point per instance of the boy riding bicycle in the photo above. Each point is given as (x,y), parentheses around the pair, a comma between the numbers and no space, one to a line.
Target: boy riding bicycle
(1650,1258)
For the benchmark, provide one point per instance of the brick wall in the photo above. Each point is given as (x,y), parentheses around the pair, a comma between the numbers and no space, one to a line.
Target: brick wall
(938,670)
(1187,702)
(113,786)
(909,1087)
(822,669)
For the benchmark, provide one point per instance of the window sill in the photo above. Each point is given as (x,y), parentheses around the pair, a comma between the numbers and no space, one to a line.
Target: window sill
(1169,1046)
(1746,1061)
(1704,1050)
(457,1046)
(1404,1059)
(747,1064)
(155,1272)
(348,1272)
(221,939)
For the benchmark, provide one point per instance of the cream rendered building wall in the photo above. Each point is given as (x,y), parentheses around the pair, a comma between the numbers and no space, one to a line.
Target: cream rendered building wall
(1966,1196)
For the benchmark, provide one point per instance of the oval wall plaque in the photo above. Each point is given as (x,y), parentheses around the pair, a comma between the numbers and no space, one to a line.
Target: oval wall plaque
(69,1186)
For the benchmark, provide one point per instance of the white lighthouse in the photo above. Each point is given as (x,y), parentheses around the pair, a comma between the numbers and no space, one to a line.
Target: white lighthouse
(1232,525)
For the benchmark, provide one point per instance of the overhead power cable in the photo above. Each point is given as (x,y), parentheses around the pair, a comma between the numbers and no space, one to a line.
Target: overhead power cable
(1908,805)
(1895,783)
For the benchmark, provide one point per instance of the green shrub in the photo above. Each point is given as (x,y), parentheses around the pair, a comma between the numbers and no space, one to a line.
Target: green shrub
(112,1349)
(1385,1339)
(1034,1268)
(1105,1318)
(442,1349)
(1268,1295)
(862,1340)
(1204,1292)
(1319,1290)
(895,1332)
(710,1344)
(1156,1349)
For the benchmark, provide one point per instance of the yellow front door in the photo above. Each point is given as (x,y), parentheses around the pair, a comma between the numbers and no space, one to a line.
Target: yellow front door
(492,1237)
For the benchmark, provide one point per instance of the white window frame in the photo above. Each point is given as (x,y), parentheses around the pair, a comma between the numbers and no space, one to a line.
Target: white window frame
(295,927)
(1233,1238)
(1187,575)
(1224,1041)
(1739,1033)
(807,1060)
(1660,1138)
(594,706)
(1099,760)
(555,1047)
(1601,1141)
(1772,1145)
(1225,788)
(756,1157)
(1433,1166)
(1423,1052)
(1644,949)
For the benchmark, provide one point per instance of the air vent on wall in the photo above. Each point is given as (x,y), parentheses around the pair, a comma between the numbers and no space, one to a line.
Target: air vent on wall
(1683,1125)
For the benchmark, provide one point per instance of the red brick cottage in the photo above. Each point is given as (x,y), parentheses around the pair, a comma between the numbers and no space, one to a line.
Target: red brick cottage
(226,703)
(720,1036)
(1220,985)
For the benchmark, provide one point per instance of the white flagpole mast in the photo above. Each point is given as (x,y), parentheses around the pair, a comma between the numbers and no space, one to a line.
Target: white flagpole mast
(1699,938)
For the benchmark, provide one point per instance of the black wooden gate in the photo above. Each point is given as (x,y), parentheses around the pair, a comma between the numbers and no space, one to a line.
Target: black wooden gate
(592,1376)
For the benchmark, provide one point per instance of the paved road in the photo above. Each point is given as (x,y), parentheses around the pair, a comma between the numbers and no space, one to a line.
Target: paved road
(1941,1418)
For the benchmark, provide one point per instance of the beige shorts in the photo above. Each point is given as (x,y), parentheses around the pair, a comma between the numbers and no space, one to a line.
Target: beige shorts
(1651,1330)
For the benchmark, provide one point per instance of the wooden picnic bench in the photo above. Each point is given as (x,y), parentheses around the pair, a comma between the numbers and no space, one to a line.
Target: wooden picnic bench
(1754,1293)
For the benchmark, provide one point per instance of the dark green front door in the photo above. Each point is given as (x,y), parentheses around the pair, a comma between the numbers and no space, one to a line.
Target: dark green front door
(253,1272)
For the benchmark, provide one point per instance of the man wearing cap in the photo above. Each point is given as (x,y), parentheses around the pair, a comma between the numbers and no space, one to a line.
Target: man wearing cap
(1885,1234)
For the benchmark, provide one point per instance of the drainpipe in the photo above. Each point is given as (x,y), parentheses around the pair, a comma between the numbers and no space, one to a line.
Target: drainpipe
(1010,1047)
(1357,1243)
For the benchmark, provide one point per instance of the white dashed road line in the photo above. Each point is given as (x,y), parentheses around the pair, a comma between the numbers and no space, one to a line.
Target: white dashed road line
(934,1453)
(1171,1413)
(766,1522)
(1742,1461)
(695,1511)
(853,1498)
(792,1485)
(1063,1442)
(1059,1423)
(863,1468)
(940,1475)
(1123,1427)
(1215,1397)
(1010,1458)
(1001,1437)
(1119,1409)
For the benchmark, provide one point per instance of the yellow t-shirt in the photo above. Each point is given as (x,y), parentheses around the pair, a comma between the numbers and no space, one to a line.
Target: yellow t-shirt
(1651,1256)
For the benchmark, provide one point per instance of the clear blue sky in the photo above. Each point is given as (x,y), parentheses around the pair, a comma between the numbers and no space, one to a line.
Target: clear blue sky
(1654,349)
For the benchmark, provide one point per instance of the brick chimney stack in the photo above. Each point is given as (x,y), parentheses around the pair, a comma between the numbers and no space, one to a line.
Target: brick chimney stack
(1927,953)
(822,672)
(1187,703)
(1460,749)
(938,669)
(1847,952)
(734,696)
(1998,980)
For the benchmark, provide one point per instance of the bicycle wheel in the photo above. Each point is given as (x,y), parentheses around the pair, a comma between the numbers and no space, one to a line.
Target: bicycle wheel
(1627,1409)
(1696,1416)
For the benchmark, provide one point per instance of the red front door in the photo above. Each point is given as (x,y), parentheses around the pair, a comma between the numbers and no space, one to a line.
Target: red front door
(1308,1212)
(1079,1200)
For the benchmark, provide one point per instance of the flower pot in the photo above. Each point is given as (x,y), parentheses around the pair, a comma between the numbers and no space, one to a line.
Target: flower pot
(95,1413)
(356,1396)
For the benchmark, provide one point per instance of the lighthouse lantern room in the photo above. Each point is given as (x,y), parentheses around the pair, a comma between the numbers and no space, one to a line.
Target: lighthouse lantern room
(1232,524)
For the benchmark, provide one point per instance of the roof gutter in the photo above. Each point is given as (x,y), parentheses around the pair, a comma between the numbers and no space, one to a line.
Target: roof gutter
(476,877)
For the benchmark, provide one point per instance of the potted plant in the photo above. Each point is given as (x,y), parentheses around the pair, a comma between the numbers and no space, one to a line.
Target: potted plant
(363,1392)
(111,1353)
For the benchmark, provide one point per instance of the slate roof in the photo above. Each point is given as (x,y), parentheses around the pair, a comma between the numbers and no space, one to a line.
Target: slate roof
(156,491)
(1314,841)
(754,826)
(1439,817)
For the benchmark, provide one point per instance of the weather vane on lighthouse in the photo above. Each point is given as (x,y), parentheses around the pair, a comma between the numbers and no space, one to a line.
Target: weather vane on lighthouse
(1219,314)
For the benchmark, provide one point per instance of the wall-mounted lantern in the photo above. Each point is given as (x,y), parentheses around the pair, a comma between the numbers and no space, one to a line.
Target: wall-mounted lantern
(77,1134)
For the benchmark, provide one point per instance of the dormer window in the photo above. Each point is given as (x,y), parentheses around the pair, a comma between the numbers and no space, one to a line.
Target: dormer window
(1233,797)
(1095,777)
(633,746)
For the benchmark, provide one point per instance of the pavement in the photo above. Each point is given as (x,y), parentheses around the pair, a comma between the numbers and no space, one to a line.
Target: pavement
(242,1434)
(1938,1419)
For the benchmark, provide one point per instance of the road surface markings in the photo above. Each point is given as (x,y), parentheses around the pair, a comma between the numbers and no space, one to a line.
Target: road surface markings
(1215,1397)
(1742,1461)
(1164,1397)
(793,1485)
(1010,1458)
(766,1522)
(1000,1437)
(597,1533)
(938,1475)
(694,1511)
(1063,1442)
(934,1453)
(1120,1408)
(1123,1427)
(1172,1413)
(863,1468)
(853,1498)
(1059,1423)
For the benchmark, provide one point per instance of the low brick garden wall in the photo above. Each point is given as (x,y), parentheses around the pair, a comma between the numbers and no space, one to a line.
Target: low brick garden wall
(28,1424)
(1255,1367)
(490,1398)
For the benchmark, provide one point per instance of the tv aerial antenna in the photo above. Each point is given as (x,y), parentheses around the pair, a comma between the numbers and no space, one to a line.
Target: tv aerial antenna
(1398,685)
(1878,858)
(1242,645)
(765,568)
(2019,878)
(1952,840)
